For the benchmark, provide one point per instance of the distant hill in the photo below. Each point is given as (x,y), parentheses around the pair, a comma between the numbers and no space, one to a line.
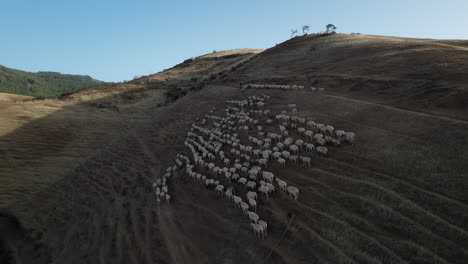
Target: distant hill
(42,83)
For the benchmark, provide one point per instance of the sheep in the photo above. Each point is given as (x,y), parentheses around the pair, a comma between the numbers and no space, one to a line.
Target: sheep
(322,150)
(282,184)
(228,193)
(305,160)
(253,216)
(251,195)
(168,197)
(309,134)
(293,192)
(251,184)
(340,134)
(321,141)
(271,187)
(268,176)
(350,137)
(253,204)
(276,155)
(219,189)
(258,230)
(235,177)
(310,147)
(294,148)
(237,200)
(282,162)
(264,226)
(262,162)
(264,190)
(293,159)
(310,124)
(245,207)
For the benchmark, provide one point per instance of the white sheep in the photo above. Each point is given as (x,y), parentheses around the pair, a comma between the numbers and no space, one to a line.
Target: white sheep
(268,176)
(264,190)
(253,216)
(293,192)
(251,184)
(350,137)
(237,200)
(282,162)
(219,189)
(245,207)
(253,204)
(282,184)
(242,181)
(258,229)
(251,195)
(264,226)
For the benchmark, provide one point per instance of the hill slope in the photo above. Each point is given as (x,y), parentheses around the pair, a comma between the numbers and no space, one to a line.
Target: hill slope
(419,74)
(41,83)
(78,171)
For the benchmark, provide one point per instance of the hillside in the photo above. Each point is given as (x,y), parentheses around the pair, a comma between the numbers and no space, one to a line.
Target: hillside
(420,74)
(78,170)
(41,83)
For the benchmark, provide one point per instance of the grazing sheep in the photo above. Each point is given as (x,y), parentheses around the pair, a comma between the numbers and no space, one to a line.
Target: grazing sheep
(264,226)
(258,230)
(350,137)
(237,200)
(282,184)
(252,195)
(293,192)
(271,187)
(305,160)
(219,189)
(282,162)
(264,190)
(262,162)
(268,176)
(340,134)
(245,207)
(251,184)
(253,216)
(322,150)
(294,148)
(253,204)
(310,147)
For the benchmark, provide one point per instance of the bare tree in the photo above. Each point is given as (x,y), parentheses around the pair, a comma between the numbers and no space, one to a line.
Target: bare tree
(293,31)
(330,28)
(305,29)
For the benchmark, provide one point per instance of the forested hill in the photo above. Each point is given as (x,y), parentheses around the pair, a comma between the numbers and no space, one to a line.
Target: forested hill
(42,83)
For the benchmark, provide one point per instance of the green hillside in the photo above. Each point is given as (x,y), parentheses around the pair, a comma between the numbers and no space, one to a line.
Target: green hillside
(41,83)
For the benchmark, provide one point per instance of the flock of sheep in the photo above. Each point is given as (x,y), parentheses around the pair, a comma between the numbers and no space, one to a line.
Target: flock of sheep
(231,153)
(279,87)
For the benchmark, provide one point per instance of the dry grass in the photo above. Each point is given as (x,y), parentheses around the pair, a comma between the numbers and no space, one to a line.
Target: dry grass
(4,97)
(79,169)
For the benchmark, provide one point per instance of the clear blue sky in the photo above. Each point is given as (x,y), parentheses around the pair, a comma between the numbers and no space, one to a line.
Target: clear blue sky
(115,40)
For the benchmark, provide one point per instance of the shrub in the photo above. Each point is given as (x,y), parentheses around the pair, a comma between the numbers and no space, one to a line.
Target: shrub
(174,93)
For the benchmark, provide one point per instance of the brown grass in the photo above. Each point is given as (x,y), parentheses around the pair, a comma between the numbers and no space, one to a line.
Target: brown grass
(79,169)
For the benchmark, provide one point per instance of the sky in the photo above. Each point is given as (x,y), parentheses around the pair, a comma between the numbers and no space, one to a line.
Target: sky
(114,40)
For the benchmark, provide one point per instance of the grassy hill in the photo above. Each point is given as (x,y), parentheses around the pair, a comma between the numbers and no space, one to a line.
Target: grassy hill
(77,170)
(41,83)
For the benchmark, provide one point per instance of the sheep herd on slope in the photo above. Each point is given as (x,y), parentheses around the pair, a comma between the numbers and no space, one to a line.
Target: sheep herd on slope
(233,153)
(279,87)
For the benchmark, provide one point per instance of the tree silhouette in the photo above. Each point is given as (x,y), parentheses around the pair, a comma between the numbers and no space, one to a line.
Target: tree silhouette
(293,31)
(305,29)
(330,28)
